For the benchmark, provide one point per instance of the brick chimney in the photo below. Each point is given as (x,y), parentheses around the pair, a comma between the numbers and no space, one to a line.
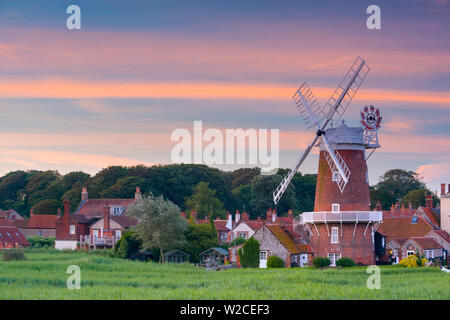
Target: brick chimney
(245,216)
(138,194)
(274,215)
(84,194)
(106,223)
(66,209)
(402,209)
(397,207)
(429,201)
(237,218)
(290,214)
(269,215)
(31,212)
(59,213)
(443,190)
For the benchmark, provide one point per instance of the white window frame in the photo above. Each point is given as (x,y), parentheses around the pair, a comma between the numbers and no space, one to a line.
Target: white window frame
(72,229)
(336,176)
(334,234)
(95,233)
(429,254)
(333,258)
(242,234)
(335,207)
(263,255)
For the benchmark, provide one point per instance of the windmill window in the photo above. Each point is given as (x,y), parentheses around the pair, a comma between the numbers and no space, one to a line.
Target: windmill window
(336,176)
(335,207)
(334,235)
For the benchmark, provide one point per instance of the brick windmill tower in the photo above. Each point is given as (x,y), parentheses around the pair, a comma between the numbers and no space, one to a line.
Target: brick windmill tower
(342,224)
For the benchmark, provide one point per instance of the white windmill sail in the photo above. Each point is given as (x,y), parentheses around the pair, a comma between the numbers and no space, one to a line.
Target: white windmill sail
(315,116)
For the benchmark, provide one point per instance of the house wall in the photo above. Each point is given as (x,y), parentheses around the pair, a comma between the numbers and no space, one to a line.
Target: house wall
(411,246)
(65,244)
(445,214)
(242,227)
(47,233)
(360,248)
(272,245)
(438,239)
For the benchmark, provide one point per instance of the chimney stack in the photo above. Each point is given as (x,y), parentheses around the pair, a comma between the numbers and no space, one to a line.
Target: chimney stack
(402,209)
(245,216)
(237,217)
(429,201)
(66,207)
(138,194)
(274,216)
(392,207)
(84,194)
(269,215)
(31,212)
(443,190)
(290,214)
(59,213)
(106,223)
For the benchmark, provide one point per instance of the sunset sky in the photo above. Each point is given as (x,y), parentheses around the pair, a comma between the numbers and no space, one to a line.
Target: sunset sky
(113,92)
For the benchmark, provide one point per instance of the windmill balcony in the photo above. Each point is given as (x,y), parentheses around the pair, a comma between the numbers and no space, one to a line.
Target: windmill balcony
(342,217)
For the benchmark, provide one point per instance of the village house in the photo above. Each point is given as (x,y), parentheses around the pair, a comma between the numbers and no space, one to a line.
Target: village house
(43,225)
(445,208)
(427,247)
(11,215)
(274,240)
(96,222)
(11,237)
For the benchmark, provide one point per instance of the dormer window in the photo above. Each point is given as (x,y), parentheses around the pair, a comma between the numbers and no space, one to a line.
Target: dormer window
(335,207)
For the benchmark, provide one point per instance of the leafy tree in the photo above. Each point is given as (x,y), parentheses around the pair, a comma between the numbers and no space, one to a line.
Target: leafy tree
(237,241)
(399,182)
(160,224)
(128,246)
(243,176)
(243,197)
(386,198)
(249,253)
(417,198)
(105,179)
(125,187)
(262,190)
(74,177)
(199,237)
(205,202)
(48,206)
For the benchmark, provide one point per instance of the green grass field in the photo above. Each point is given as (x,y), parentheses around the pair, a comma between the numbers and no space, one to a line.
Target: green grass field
(43,276)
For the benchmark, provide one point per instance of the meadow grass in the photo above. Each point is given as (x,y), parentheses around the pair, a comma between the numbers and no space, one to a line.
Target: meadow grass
(43,276)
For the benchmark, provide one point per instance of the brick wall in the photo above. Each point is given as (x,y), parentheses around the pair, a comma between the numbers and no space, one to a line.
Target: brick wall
(356,194)
(360,248)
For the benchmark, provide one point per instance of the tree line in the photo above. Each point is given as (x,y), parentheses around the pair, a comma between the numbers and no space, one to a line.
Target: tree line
(191,187)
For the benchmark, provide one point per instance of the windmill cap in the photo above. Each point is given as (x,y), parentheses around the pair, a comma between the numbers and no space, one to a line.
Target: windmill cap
(344,134)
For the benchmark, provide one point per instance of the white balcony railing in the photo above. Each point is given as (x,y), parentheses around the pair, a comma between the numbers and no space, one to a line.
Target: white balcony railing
(342,216)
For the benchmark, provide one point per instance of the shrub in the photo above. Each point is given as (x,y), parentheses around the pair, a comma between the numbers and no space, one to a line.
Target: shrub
(275,262)
(321,262)
(413,261)
(41,242)
(236,242)
(345,262)
(128,246)
(14,255)
(249,254)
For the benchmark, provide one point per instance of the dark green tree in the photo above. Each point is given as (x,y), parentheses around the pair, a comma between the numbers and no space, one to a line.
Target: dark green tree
(47,206)
(204,201)
(199,237)
(399,182)
(249,253)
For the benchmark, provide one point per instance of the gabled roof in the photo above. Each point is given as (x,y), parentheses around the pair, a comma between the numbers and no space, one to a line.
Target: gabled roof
(8,213)
(400,241)
(168,253)
(217,249)
(95,207)
(426,243)
(442,234)
(220,225)
(124,221)
(402,228)
(12,235)
(284,238)
(41,221)
(432,214)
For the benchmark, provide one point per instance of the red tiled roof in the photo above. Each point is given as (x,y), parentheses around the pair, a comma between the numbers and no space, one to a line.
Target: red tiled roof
(426,243)
(403,228)
(124,221)
(41,221)
(220,225)
(397,214)
(400,241)
(95,207)
(432,215)
(12,235)
(7,213)
(443,234)
(284,238)
(254,225)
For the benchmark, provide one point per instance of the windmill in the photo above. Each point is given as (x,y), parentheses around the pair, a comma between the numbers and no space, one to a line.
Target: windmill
(318,118)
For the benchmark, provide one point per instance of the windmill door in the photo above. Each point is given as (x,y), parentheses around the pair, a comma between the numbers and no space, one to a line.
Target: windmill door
(263,259)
